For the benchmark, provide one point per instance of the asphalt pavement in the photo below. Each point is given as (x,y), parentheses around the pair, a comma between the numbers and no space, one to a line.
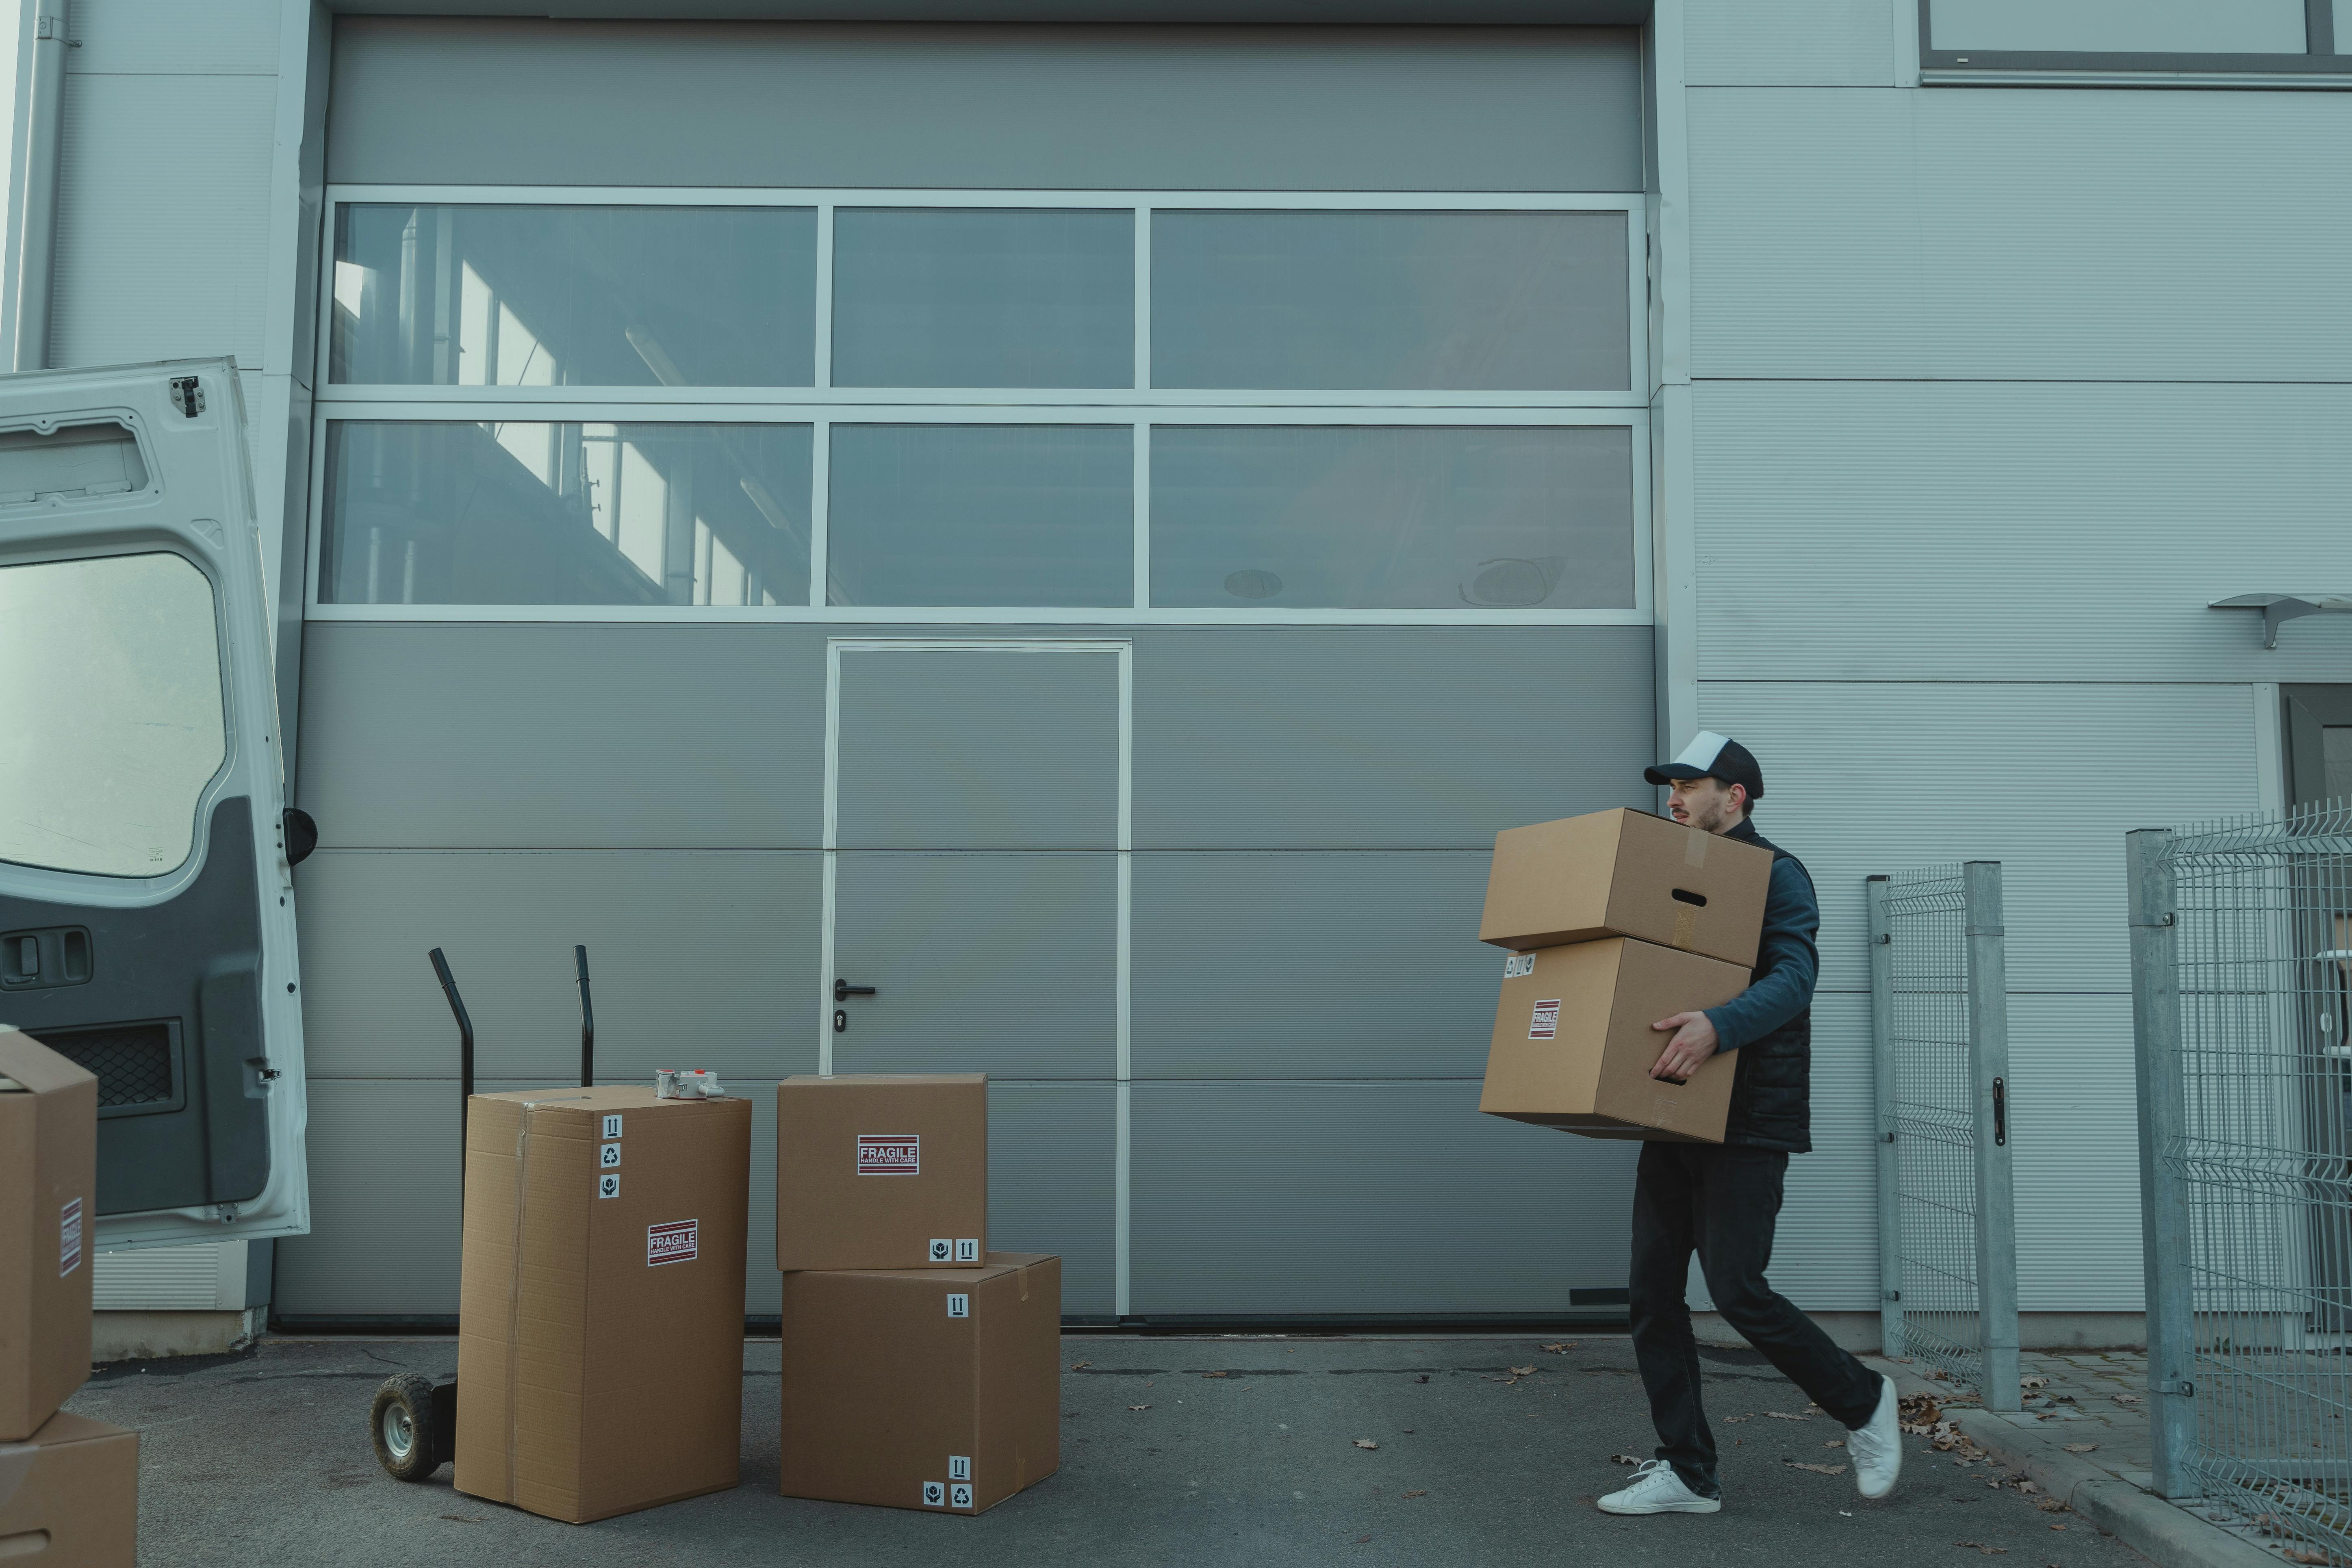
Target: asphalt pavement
(265,1457)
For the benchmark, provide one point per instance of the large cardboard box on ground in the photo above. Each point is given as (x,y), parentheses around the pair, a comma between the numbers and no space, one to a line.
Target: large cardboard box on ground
(1574,1047)
(1626,873)
(882,1171)
(600,1334)
(936,1389)
(48,1191)
(69,1498)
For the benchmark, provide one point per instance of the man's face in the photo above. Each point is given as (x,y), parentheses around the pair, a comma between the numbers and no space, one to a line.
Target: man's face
(1708,805)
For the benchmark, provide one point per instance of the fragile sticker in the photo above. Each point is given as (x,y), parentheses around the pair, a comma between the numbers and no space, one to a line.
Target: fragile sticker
(609,1156)
(889,1154)
(960,1495)
(1545,1025)
(959,1467)
(968,1249)
(1518,964)
(608,1185)
(671,1243)
(959,1306)
(69,1237)
(611,1127)
(935,1494)
(941,1249)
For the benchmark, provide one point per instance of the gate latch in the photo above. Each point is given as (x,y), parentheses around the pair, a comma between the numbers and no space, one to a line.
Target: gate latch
(2181,1386)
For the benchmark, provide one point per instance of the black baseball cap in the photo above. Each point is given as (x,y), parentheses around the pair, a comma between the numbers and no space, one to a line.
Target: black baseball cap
(1713,756)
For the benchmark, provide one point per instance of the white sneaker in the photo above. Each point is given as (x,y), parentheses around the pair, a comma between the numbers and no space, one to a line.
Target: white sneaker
(1877,1445)
(1656,1489)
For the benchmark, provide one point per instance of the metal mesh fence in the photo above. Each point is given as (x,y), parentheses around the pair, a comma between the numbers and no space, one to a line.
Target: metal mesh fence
(2248,1117)
(1947,1233)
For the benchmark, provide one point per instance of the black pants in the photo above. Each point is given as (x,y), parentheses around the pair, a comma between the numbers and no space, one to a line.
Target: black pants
(1720,1201)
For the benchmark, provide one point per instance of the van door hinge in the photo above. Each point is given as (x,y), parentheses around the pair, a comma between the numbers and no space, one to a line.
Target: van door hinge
(187,395)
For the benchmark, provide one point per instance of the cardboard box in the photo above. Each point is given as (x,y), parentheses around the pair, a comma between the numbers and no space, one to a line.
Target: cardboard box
(600,1331)
(48,1200)
(1626,873)
(882,1171)
(69,1498)
(1574,1047)
(928,1389)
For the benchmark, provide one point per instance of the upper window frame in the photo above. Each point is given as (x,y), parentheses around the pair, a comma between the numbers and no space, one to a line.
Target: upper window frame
(2318,68)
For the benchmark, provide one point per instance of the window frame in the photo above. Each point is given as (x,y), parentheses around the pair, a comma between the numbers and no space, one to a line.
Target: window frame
(2321,65)
(1141,407)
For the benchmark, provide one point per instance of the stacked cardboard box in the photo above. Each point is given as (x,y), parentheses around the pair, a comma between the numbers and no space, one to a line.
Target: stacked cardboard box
(1613,921)
(599,1346)
(919,1368)
(68,1485)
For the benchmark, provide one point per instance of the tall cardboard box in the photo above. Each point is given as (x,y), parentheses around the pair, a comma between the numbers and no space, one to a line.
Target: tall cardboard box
(1573,1048)
(600,1334)
(76,1484)
(936,1389)
(1626,873)
(48,1195)
(882,1171)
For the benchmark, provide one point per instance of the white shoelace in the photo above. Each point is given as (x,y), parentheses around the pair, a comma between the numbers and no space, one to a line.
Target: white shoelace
(1651,1473)
(1864,1442)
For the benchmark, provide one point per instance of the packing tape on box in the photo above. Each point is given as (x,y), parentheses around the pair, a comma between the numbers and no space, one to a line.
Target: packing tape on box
(15,1464)
(1685,925)
(1023,1272)
(514,1293)
(1694,848)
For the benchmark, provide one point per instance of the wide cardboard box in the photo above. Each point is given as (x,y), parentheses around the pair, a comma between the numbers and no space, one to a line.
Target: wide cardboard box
(600,1334)
(69,1497)
(1626,873)
(1574,1047)
(48,1191)
(882,1171)
(936,1389)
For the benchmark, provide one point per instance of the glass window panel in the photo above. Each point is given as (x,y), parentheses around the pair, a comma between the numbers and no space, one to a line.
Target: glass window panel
(2335,757)
(1024,515)
(1390,300)
(454,295)
(525,512)
(114,714)
(2120,27)
(1390,518)
(2343,26)
(926,297)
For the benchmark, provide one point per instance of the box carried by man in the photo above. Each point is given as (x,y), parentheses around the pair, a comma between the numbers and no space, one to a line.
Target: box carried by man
(48,1199)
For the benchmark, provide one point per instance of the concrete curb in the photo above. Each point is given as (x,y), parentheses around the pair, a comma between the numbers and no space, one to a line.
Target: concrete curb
(2167,1535)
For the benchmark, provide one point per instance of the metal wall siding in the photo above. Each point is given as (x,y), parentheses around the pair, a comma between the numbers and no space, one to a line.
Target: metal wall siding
(698,958)
(1413,108)
(2073,1127)
(1004,962)
(162,218)
(1303,966)
(1825,1246)
(550,736)
(1273,1197)
(1325,737)
(2024,233)
(1053,1159)
(1860,530)
(1793,43)
(168,37)
(1865,778)
(966,751)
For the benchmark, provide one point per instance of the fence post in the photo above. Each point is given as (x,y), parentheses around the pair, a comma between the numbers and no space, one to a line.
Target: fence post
(1987,982)
(1890,1157)
(2163,1127)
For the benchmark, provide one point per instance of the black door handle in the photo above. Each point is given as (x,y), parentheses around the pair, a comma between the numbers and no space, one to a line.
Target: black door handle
(842,990)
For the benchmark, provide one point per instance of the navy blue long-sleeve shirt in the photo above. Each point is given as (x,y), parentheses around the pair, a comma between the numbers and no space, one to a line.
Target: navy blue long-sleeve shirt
(1787,962)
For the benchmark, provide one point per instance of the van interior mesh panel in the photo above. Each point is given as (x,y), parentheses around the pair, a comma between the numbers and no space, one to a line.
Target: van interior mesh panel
(132,1061)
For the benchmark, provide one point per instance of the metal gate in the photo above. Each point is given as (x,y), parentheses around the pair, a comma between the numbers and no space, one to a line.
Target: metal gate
(1947,1220)
(2242,971)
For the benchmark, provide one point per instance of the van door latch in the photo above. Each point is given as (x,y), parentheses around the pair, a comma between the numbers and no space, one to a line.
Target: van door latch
(187,395)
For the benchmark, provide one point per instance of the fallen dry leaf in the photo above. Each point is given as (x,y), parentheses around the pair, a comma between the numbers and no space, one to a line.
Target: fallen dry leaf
(1139,1407)
(1216,1374)
(2080,1448)
(1939,1375)
(2057,1527)
(1366,1443)
(1562,1348)
(2127,1399)
(1981,1546)
(2034,1383)
(1786,1416)
(2052,1505)
(2296,1555)
(1423,1492)
(1817,1470)
(1361,1538)
(1834,1442)
(1420,1378)
(1522,1371)
(1733,1420)
(1081,1366)
(1623,1460)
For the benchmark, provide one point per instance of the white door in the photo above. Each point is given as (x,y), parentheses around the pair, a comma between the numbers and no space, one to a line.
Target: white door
(146,893)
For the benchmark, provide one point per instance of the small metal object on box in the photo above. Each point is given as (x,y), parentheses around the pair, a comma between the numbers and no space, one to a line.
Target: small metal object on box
(687,1083)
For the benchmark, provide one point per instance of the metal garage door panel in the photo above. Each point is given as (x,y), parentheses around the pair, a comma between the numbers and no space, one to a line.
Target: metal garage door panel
(1279,1197)
(1311,966)
(451,736)
(1053,1155)
(1339,738)
(699,959)
(1005,964)
(978,749)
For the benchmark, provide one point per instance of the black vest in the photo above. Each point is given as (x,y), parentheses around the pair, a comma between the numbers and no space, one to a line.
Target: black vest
(1771,1089)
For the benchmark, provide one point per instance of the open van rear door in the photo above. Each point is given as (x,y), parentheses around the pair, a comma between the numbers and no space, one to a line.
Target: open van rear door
(146,893)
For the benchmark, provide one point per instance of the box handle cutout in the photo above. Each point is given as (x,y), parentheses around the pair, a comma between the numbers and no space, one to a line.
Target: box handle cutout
(1685,896)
